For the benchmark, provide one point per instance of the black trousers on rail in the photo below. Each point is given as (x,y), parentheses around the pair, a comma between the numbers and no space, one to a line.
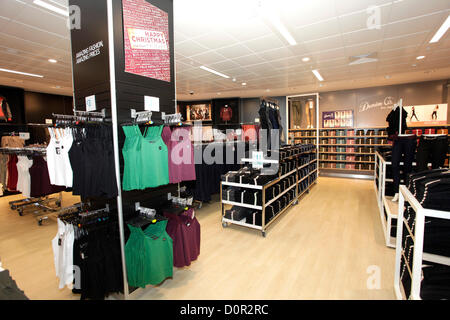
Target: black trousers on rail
(431,149)
(403,150)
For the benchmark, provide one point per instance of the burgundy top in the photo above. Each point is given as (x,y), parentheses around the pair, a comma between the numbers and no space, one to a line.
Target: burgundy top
(184,229)
(226,114)
(13,174)
(181,154)
(40,180)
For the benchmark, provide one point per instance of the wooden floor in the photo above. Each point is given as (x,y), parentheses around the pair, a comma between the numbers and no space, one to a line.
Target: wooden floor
(319,249)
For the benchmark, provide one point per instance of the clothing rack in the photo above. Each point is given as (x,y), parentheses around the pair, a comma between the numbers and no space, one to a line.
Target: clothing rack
(417,236)
(82,116)
(39,206)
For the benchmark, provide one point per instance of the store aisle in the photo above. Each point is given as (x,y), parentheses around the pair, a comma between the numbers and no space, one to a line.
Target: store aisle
(25,250)
(319,249)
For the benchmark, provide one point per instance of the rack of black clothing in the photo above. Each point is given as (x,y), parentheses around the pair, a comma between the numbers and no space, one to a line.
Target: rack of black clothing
(95,249)
(422,268)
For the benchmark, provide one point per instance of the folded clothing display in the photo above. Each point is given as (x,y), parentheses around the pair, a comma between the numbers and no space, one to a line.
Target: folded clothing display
(238,213)
(435,284)
(232,194)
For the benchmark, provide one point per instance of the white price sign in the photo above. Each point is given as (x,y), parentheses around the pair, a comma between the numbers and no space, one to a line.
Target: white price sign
(258,158)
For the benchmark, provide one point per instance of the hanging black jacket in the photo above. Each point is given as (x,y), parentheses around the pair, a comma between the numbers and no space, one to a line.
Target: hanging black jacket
(393,120)
(5,111)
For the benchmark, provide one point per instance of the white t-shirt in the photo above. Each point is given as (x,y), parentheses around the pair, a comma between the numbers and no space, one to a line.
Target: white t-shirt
(63,254)
(58,162)
(24,179)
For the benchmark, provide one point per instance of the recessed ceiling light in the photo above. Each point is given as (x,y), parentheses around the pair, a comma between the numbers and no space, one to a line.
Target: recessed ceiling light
(306,59)
(234,79)
(52,60)
(51,7)
(442,30)
(420,57)
(214,71)
(244,83)
(22,73)
(317,74)
(219,93)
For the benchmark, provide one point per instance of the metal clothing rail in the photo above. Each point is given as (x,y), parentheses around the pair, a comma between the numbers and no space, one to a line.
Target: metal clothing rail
(418,238)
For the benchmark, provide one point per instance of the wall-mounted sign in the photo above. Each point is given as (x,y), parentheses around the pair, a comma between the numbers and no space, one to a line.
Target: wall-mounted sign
(151,104)
(147,40)
(337,119)
(90,103)
(427,115)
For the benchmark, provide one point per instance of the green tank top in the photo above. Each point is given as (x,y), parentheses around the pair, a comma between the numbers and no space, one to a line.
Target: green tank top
(149,255)
(155,158)
(146,159)
(132,160)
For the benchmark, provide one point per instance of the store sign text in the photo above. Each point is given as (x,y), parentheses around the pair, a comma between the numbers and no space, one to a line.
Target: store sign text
(147,40)
(89,53)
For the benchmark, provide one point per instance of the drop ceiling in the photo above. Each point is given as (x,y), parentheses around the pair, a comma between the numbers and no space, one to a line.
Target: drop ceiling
(234,38)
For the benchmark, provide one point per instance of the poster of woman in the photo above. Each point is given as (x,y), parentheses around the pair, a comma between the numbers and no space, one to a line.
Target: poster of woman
(425,115)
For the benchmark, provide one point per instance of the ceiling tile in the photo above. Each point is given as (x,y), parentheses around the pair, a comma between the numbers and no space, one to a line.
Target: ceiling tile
(317,31)
(325,44)
(190,48)
(301,13)
(234,51)
(359,37)
(215,40)
(249,60)
(276,54)
(363,20)
(265,43)
(411,8)
(350,6)
(414,25)
(208,58)
(404,41)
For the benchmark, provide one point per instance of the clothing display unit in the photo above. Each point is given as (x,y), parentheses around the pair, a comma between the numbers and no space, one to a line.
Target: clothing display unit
(274,193)
(385,191)
(422,258)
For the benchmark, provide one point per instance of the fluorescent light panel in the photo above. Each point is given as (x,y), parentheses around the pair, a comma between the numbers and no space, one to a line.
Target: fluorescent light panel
(51,7)
(22,73)
(317,74)
(442,30)
(214,71)
(282,29)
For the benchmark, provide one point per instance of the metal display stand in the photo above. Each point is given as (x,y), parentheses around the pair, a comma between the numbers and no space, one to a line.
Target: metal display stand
(417,236)
(263,227)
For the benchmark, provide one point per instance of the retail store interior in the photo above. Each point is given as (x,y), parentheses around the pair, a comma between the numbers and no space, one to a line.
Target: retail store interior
(224,150)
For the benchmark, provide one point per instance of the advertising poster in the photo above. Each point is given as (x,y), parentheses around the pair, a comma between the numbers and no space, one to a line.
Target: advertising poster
(146,38)
(198,112)
(337,119)
(427,115)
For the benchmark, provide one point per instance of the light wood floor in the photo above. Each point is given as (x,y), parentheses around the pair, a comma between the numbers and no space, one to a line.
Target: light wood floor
(319,249)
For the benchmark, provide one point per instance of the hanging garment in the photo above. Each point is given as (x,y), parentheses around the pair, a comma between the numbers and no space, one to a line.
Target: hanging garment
(180,153)
(184,229)
(3,170)
(149,255)
(403,150)
(58,162)
(155,158)
(132,160)
(393,120)
(295,114)
(62,246)
(13,175)
(24,179)
(226,114)
(92,162)
(432,149)
(40,180)
(250,132)
(146,158)
(5,111)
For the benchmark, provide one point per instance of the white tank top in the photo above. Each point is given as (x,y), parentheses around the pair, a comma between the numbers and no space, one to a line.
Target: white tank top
(58,162)
(24,179)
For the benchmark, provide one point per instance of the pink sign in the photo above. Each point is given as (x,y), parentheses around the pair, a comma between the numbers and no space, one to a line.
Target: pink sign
(147,41)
